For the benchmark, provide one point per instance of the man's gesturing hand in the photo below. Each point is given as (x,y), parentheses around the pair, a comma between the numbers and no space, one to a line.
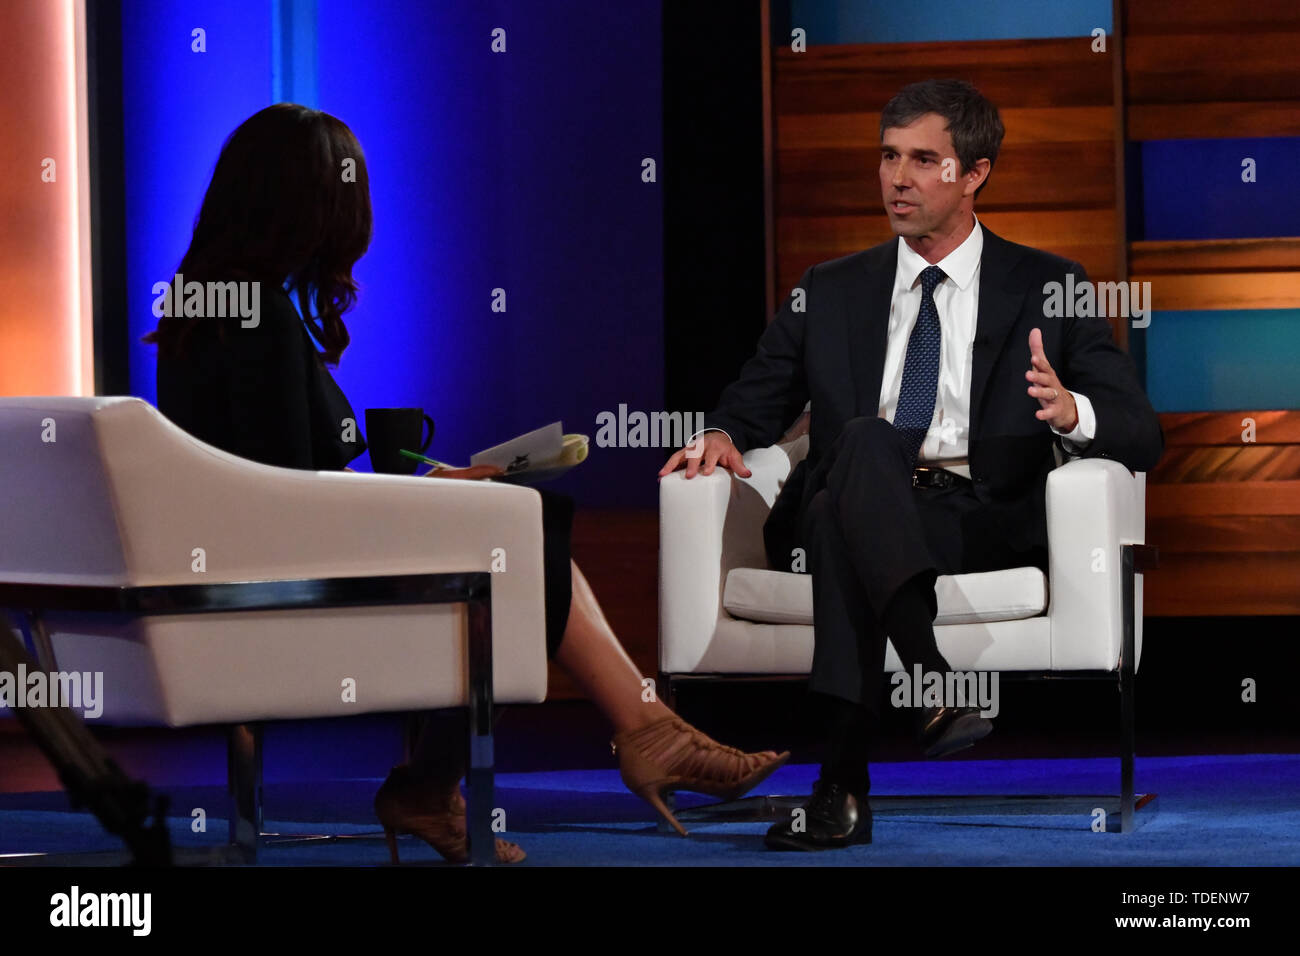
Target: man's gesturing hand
(1058,408)
(709,449)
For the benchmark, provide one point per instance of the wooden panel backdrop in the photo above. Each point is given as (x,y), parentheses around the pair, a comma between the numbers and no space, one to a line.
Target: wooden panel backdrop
(1201,69)
(1053,186)
(1224,512)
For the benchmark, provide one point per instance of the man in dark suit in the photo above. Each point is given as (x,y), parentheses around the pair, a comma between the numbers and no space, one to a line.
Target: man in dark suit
(939,383)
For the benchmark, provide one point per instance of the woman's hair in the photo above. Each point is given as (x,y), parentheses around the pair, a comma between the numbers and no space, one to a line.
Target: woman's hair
(284,203)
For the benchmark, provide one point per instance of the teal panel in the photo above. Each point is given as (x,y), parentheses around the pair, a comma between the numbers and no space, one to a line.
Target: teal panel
(1223,360)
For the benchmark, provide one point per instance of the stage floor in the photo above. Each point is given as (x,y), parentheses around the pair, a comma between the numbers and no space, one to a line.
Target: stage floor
(1231,810)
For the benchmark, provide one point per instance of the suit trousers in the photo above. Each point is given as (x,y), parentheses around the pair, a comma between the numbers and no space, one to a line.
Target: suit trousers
(867,532)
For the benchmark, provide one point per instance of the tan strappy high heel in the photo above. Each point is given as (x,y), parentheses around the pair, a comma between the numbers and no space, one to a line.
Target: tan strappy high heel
(670,754)
(437,816)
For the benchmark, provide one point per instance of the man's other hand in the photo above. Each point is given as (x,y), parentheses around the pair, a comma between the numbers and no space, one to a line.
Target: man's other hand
(1058,408)
(705,452)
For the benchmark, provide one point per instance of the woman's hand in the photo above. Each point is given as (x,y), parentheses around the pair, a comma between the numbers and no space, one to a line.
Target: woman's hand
(473,472)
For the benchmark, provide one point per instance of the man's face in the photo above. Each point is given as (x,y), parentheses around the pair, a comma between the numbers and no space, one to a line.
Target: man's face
(912,172)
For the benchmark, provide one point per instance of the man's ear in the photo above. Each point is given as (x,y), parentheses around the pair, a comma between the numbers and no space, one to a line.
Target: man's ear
(976,176)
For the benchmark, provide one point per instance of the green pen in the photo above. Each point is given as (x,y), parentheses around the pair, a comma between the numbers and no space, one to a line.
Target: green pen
(424,458)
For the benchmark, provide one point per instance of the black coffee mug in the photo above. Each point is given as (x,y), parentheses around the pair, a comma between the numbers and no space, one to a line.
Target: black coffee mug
(388,430)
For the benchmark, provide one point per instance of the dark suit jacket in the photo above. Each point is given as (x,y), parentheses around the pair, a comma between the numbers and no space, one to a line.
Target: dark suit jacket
(833,353)
(263,393)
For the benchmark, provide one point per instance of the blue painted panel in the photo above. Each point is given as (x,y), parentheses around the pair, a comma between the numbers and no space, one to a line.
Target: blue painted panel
(1224,360)
(518,171)
(178,108)
(1194,188)
(878,21)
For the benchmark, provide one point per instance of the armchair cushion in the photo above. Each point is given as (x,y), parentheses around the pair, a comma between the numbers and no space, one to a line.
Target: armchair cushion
(780,597)
(723,611)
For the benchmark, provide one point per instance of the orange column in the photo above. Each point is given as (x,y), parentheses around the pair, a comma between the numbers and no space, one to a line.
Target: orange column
(46,345)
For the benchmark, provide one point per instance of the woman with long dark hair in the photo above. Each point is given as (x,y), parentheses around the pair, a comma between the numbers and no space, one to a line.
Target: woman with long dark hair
(289,208)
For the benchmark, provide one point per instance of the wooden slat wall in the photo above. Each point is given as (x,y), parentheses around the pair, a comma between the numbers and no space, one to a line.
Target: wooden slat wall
(1225,514)
(1220,273)
(1176,257)
(1053,185)
(1208,69)
(1201,69)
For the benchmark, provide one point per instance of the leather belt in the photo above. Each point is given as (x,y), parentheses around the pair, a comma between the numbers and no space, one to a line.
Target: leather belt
(926,477)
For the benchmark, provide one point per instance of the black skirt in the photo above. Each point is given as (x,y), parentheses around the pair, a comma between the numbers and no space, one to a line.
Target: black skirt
(557,532)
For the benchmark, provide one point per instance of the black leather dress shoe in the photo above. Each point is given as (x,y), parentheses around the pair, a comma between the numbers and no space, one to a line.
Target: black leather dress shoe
(832,818)
(945,730)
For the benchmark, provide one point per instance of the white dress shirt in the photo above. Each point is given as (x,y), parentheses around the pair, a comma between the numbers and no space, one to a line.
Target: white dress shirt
(956,299)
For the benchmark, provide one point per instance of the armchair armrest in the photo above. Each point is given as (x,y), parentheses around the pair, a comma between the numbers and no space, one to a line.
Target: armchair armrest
(172,494)
(1095,506)
(692,515)
(707,526)
(125,498)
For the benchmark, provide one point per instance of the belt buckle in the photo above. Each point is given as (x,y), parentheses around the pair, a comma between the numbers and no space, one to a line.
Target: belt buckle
(937,477)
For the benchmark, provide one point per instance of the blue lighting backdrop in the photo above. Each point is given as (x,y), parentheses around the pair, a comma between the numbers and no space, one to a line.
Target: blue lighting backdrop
(516,170)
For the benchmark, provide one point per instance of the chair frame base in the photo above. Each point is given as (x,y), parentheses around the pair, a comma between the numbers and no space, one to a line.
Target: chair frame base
(1121,809)
(244,743)
(774,808)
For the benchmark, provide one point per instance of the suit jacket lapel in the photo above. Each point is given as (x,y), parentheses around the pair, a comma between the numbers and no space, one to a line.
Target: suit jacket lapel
(867,317)
(999,305)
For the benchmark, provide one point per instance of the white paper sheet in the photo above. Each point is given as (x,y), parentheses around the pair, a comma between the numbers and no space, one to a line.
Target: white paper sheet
(527,451)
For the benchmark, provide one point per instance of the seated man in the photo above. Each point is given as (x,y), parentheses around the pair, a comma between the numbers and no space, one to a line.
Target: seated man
(940,380)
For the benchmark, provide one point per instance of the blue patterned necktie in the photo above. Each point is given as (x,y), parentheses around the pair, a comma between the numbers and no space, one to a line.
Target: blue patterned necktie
(920,368)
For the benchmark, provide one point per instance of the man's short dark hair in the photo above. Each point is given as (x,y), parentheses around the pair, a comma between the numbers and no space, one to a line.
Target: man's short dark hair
(973,121)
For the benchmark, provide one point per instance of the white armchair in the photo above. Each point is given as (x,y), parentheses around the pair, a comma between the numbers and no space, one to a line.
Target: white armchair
(725,614)
(209,589)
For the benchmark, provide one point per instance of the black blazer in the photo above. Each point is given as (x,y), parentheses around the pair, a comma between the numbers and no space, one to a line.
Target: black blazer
(263,393)
(833,352)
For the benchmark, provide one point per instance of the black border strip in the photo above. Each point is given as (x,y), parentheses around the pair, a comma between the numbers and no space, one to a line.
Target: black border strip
(107,197)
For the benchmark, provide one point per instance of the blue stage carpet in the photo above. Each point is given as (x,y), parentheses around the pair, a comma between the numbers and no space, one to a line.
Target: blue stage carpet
(1211,810)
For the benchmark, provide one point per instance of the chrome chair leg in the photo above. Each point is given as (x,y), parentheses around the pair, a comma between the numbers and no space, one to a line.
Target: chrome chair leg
(481,806)
(244,789)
